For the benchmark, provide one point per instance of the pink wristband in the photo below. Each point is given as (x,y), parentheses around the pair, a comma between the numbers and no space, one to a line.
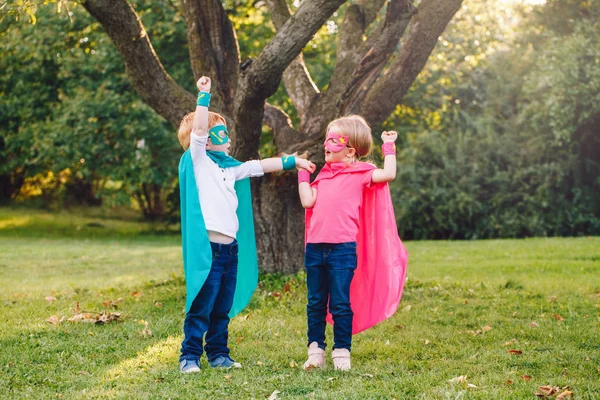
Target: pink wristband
(388,148)
(303,176)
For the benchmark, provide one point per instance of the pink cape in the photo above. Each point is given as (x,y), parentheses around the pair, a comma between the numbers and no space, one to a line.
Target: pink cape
(378,281)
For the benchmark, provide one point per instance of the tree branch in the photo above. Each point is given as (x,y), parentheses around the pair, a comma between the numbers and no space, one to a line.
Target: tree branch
(266,71)
(376,52)
(284,133)
(143,67)
(261,79)
(296,78)
(427,25)
(213,48)
(357,19)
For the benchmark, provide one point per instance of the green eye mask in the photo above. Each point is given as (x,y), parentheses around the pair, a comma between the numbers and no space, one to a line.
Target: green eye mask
(219,134)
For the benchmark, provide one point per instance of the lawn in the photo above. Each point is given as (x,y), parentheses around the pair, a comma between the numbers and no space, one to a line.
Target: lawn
(509,315)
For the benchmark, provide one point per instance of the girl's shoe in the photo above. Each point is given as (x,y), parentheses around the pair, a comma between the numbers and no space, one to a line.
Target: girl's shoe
(341,359)
(316,357)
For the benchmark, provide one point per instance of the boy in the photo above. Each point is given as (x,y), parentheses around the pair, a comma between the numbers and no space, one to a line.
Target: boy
(215,205)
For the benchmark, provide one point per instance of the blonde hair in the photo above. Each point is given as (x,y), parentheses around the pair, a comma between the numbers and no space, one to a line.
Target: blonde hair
(359,131)
(187,123)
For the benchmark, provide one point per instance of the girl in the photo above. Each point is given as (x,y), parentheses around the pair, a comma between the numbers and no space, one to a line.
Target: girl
(355,261)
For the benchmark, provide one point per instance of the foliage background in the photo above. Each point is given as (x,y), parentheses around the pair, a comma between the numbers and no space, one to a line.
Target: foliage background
(499,134)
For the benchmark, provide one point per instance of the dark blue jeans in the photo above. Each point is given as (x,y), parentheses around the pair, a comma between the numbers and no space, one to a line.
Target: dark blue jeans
(329,272)
(209,312)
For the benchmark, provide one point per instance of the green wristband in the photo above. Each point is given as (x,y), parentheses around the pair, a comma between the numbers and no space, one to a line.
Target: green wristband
(203,99)
(288,162)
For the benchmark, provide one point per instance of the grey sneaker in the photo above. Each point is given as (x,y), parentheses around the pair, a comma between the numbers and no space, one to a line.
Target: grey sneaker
(224,362)
(189,366)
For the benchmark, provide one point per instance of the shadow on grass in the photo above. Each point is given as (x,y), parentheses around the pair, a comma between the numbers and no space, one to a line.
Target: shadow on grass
(29,223)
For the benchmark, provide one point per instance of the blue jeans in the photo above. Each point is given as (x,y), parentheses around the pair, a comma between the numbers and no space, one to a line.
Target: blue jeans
(209,312)
(329,272)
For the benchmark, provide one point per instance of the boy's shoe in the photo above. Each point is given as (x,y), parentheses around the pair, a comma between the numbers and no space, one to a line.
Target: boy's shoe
(189,366)
(224,362)
(316,357)
(341,359)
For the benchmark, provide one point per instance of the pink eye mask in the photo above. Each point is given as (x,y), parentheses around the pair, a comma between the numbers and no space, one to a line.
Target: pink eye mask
(336,142)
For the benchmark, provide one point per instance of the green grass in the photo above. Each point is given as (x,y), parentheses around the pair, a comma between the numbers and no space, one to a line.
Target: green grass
(454,289)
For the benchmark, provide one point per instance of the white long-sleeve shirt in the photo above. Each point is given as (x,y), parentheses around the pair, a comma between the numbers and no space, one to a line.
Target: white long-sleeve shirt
(218,198)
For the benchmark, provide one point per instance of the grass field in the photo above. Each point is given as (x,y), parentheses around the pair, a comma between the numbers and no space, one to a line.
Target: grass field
(466,305)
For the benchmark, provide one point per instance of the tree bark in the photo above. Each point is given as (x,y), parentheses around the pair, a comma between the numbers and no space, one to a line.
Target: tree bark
(213,50)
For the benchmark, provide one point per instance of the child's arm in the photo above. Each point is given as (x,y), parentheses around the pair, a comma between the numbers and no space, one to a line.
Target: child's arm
(275,164)
(200,126)
(308,195)
(388,172)
(259,167)
(199,136)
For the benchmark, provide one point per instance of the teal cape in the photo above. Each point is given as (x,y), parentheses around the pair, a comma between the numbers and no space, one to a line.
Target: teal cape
(197,253)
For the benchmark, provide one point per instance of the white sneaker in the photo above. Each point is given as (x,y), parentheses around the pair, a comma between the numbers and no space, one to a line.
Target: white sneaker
(341,359)
(316,357)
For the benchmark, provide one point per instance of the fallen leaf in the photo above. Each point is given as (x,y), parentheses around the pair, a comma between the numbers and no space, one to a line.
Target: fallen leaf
(239,339)
(552,299)
(564,395)
(486,328)
(471,386)
(558,317)
(330,379)
(387,342)
(509,382)
(58,396)
(157,304)
(515,352)
(292,364)
(54,320)
(50,299)
(548,390)
(367,375)
(228,376)
(511,341)
(286,288)
(83,317)
(534,325)
(83,373)
(276,294)
(273,395)
(246,317)
(136,294)
(459,379)
(91,333)
(259,363)
(526,378)
(427,341)
(406,308)
(466,302)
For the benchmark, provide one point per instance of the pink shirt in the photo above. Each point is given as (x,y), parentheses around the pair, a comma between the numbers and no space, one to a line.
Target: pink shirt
(335,215)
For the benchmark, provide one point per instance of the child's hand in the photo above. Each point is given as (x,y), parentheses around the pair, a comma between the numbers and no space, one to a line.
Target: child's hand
(389,136)
(301,163)
(203,84)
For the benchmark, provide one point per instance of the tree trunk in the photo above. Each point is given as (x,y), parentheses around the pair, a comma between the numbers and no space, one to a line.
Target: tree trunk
(278,223)
(371,77)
